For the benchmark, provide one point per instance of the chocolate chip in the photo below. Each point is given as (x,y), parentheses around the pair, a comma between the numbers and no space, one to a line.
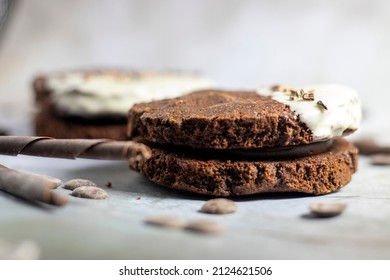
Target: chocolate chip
(166,221)
(326,210)
(380,159)
(206,227)
(219,206)
(76,183)
(90,192)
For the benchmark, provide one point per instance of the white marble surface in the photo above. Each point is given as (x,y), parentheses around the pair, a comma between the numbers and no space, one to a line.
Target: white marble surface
(238,43)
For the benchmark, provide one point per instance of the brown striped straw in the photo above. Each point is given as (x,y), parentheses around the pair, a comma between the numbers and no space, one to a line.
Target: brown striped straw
(40,188)
(73,148)
(30,186)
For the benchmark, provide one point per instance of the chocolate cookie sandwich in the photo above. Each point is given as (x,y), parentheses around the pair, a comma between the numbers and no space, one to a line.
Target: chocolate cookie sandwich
(231,143)
(95,104)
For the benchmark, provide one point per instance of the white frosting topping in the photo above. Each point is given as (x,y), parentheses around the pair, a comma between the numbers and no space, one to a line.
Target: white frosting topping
(113,92)
(343,109)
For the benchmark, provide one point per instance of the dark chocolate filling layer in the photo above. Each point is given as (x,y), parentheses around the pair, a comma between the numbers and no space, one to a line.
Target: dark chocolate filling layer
(94,120)
(290,152)
(283,152)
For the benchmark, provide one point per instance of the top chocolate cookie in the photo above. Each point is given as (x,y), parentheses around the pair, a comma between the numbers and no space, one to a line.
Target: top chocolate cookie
(274,117)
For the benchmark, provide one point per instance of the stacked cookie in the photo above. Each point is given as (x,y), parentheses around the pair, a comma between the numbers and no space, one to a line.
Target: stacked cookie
(232,143)
(94,104)
(215,142)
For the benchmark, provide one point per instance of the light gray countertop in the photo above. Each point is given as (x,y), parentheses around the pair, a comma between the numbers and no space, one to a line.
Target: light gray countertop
(264,227)
(42,37)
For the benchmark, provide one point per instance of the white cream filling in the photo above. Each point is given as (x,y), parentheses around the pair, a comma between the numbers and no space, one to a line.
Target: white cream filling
(343,109)
(100,93)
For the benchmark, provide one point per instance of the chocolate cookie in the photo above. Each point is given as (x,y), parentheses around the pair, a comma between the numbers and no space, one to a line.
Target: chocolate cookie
(230,119)
(227,143)
(219,120)
(95,104)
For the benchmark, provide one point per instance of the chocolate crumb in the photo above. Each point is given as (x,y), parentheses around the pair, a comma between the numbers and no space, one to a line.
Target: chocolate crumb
(309,95)
(281,88)
(138,198)
(327,210)
(90,192)
(108,184)
(76,183)
(219,206)
(276,88)
(295,93)
(322,105)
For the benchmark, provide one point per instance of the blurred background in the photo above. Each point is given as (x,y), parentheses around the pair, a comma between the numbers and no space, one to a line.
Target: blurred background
(238,43)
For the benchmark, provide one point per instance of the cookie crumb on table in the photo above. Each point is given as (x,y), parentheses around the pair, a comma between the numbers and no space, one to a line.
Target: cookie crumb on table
(326,210)
(90,192)
(206,227)
(76,183)
(219,206)
(166,221)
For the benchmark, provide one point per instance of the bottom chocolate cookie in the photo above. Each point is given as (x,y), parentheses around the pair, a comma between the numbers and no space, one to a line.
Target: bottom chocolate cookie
(318,174)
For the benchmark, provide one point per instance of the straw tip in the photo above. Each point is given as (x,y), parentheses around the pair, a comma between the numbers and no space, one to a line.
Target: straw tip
(58,199)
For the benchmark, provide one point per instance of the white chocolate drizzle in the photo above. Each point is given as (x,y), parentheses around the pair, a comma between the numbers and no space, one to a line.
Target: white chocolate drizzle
(114,92)
(340,114)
